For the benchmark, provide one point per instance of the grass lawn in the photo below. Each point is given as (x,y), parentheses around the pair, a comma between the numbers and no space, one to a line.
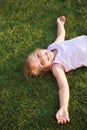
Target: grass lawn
(24,26)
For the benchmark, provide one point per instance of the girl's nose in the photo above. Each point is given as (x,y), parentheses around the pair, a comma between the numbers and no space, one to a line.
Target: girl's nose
(43,57)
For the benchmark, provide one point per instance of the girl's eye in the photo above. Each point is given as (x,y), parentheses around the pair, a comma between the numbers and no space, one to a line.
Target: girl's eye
(41,63)
(38,56)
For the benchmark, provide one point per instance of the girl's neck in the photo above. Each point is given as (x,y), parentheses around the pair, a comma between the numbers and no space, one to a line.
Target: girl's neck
(54,53)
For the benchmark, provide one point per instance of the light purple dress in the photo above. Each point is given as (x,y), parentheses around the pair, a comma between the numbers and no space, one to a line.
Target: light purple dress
(71,54)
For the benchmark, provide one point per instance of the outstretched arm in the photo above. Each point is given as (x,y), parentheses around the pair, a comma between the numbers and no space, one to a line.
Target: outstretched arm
(62,115)
(60,29)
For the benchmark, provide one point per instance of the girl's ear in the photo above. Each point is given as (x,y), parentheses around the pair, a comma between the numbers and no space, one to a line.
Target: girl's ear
(37,49)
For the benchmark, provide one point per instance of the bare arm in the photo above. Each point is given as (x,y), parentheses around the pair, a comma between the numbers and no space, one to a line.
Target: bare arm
(60,29)
(62,114)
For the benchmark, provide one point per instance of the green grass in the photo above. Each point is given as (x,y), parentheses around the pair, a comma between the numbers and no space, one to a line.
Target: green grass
(24,26)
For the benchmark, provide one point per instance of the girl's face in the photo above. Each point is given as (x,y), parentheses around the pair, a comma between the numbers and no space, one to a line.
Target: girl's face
(41,59)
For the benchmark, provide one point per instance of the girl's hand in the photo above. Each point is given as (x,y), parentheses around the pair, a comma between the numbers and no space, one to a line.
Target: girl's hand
(62,116)
(61,20)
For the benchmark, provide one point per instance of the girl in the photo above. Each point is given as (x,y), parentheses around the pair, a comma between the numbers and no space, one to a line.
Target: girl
(60,57)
